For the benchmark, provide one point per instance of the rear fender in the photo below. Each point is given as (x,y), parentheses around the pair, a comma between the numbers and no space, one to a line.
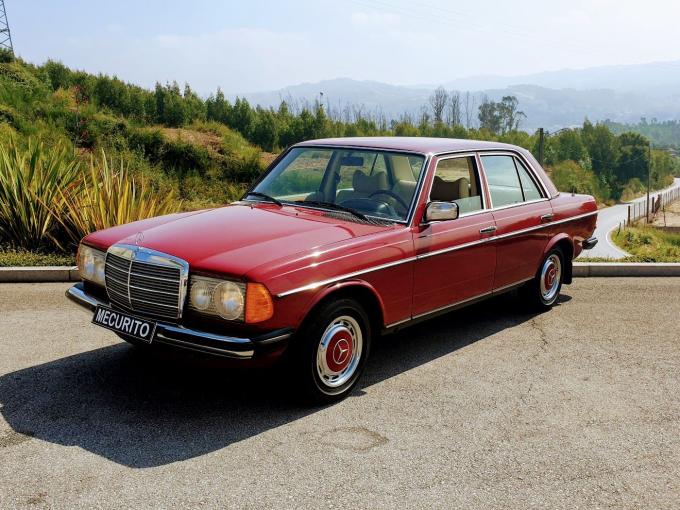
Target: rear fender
(567,245)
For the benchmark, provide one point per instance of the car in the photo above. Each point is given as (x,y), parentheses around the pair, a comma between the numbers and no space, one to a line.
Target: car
(339,241)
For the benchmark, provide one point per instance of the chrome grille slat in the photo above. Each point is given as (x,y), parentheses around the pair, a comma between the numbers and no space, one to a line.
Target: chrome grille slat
(154,291)
(154,277)
(137,279)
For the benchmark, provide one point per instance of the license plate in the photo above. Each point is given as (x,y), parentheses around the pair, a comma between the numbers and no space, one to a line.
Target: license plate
(124,323)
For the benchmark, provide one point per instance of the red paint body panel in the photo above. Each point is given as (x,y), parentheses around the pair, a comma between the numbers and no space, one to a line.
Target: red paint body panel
(456,275)
(303,255)
(518,256)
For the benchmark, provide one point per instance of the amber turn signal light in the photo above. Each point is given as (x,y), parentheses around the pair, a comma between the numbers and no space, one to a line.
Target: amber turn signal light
(259,304)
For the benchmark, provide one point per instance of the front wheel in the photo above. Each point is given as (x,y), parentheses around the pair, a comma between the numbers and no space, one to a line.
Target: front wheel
(544,290)
(331,351)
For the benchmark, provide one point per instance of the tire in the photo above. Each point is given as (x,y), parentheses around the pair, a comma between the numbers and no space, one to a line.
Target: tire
(544,290)
(329,353)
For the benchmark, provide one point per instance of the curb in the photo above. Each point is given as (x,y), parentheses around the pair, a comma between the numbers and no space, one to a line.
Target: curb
(586,269)
(39,274)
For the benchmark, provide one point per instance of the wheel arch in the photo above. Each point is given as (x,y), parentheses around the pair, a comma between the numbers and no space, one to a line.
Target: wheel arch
(566,244)
(359,290)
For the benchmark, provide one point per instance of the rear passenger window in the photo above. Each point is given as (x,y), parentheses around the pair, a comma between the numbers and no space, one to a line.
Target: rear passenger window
(509,181)
(528,185)
(457,180)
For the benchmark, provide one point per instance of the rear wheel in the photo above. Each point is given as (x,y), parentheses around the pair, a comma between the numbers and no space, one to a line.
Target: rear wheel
(331,351)
(544,290)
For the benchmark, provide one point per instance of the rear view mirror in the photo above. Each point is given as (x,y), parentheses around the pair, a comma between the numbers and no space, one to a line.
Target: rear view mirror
(441,211)
(352,161)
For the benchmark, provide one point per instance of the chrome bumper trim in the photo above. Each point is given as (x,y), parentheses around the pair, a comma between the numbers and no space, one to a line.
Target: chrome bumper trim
(211,343)
(589,244)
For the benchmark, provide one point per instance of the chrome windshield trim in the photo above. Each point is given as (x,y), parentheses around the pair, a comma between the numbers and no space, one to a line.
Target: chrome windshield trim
(321,283)
(414,200)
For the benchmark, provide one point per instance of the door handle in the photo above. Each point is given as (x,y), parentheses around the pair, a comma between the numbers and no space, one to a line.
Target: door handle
(488,230)
(547,217)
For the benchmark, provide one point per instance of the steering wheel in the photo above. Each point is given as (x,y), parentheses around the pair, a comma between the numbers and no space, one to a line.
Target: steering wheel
(392,194)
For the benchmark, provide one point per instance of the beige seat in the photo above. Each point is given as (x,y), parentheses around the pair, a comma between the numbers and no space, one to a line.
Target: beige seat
(448,191)
(363,186)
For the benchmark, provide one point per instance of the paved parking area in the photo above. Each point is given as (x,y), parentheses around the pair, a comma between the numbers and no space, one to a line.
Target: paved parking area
(486,407)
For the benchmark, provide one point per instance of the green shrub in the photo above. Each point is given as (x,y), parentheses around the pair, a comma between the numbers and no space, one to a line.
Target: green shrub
(107,195)
(31,183)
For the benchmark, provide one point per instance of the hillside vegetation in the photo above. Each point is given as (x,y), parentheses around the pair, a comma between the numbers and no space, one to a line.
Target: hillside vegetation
(75,147)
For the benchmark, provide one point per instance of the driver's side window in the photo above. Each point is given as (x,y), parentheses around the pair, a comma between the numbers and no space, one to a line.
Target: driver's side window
(457,180)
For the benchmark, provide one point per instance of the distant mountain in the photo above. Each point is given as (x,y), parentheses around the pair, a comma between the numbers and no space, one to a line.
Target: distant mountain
(550,99)
(654,77)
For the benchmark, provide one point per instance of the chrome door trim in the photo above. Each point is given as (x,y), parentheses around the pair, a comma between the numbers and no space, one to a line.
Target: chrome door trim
(460,303)
(321,283)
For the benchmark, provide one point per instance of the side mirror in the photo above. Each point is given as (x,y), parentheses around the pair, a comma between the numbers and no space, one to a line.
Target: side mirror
(441,211)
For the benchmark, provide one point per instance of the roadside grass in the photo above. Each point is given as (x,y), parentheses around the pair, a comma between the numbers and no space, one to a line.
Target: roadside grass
(10,257)
(648,244)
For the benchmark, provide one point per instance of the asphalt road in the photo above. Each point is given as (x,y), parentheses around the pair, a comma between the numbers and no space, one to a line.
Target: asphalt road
(491,407)
(610,218)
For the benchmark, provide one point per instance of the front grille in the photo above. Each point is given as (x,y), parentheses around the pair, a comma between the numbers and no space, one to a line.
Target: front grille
(150,288)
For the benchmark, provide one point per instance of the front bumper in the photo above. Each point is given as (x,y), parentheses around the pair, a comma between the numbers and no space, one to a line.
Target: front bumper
(179,336)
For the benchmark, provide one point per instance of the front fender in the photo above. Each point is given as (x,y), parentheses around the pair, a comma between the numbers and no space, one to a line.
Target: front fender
(344,286)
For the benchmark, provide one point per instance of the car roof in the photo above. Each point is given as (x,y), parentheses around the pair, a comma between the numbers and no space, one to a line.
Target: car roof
(423,145)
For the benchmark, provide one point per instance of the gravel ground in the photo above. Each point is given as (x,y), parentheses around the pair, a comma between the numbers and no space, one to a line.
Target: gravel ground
(489,407)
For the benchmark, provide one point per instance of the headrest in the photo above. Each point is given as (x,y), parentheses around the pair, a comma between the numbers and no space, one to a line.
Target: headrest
(369,183)
(447,191)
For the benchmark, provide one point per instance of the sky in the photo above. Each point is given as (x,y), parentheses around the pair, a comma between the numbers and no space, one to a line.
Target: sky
(258,45)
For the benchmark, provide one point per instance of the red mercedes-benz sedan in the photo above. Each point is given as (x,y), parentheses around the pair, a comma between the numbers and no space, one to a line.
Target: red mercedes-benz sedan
(339,241)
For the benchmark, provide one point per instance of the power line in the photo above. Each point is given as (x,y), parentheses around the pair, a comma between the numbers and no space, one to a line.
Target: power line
(5,35)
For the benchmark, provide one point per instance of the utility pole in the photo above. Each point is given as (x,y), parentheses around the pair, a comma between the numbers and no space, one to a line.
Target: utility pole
(5,35)
(541,141)
(649,174)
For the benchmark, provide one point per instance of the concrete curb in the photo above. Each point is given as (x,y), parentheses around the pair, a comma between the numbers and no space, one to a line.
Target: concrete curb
(582,269)
(39,274)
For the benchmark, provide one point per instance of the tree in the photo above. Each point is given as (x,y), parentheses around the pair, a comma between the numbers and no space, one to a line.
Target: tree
(569,146)
(633,161)
(510,115)
(490,116)
(602,147)
(469,107)
(453,113)
(438,101)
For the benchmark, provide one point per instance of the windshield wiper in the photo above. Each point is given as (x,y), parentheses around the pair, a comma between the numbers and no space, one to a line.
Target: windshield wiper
(266,197)
(331,205)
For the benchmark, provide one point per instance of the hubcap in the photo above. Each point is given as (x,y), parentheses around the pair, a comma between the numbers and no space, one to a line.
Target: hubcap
(339,351)
(550,277)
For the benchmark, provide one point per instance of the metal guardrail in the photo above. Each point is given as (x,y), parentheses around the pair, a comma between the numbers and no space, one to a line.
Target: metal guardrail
(638,210)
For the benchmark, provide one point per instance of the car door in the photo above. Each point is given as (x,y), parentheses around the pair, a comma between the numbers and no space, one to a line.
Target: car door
(520,209)
(455,260)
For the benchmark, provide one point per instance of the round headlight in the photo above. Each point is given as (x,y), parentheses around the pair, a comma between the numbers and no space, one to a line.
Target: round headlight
(86,263)
(201,295)
(229,300)
(99,265)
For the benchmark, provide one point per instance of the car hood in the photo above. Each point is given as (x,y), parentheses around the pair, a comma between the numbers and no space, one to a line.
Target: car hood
(237,238)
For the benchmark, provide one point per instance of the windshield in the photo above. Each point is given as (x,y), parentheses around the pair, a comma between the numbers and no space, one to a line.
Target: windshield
(370,182)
